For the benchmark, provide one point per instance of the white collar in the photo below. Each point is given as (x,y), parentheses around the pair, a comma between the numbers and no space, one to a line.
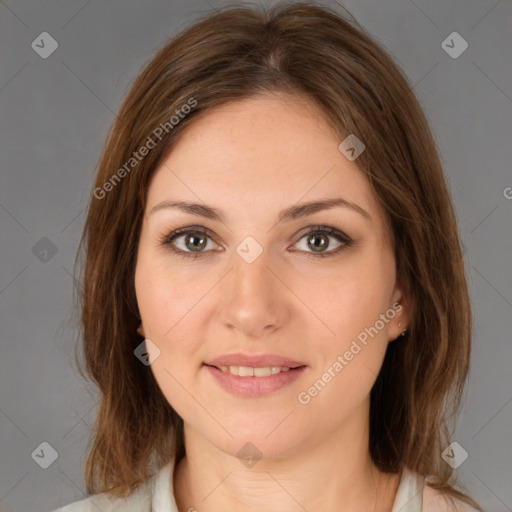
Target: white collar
(162,499)
(409,495)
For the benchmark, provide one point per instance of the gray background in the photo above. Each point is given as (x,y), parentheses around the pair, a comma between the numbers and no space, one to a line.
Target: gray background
(55,114)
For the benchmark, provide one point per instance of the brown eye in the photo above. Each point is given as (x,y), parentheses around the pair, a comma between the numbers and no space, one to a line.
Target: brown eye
(318,241)
(195,241)
(189,242)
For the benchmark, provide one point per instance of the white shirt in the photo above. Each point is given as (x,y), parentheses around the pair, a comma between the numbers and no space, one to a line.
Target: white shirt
(155,495)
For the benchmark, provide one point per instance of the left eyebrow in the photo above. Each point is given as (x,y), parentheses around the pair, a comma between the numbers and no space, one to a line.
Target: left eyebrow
(304,209)
(287,215)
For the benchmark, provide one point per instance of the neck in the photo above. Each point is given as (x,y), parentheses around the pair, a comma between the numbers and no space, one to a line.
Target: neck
(334,474)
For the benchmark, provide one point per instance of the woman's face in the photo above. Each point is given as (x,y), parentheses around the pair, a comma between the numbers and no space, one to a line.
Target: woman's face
(254,277)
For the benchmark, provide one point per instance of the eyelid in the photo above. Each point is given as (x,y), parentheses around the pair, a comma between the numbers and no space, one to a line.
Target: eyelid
(324,228)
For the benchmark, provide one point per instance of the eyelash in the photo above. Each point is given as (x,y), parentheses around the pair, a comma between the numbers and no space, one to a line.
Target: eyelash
(340,236)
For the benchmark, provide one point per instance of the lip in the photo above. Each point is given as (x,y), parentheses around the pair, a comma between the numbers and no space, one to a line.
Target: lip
(254,386)
(253,361)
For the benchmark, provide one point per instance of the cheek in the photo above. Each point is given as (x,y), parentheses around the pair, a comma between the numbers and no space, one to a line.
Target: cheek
(166,308)
(350,297)
(167,311)
(351,360)
(350,302)
(164,299)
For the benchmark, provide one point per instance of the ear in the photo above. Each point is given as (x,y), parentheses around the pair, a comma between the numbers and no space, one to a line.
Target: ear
(400,303)
(140,330)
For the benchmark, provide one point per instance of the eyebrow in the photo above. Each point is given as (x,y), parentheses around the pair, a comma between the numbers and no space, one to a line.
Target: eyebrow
(287,215)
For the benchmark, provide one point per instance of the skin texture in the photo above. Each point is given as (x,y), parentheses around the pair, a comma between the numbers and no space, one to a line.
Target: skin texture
(251,159)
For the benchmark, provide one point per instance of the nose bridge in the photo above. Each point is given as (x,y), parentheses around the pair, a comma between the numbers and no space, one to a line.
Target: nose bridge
(250,277)
(252,301)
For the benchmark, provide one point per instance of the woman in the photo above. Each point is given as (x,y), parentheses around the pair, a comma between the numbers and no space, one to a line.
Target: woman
(275,306)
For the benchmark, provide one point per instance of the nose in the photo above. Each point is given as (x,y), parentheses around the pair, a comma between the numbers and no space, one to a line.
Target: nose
(253,300)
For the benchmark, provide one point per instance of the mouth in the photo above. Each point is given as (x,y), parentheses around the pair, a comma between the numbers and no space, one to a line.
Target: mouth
(249,371)
(253,361)
(252,382)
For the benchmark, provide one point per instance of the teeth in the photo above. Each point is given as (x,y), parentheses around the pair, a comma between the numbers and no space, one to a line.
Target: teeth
(246,371)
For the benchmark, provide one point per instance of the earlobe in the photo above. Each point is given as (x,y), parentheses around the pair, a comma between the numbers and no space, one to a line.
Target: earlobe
(404,321)
(140,330)
(402,314)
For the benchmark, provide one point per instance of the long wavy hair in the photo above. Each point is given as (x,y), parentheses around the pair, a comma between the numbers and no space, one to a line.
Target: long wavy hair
(238,52)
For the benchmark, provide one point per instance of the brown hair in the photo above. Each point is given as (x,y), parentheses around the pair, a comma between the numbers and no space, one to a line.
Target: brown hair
(311,51)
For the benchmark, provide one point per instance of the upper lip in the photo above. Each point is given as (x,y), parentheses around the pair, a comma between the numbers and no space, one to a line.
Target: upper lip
(261,361)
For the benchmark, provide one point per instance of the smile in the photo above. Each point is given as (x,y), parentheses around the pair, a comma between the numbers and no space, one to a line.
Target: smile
(246,381)
(247,371)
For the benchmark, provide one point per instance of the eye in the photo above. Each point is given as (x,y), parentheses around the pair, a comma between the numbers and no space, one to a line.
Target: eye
(194,241)
(317,239)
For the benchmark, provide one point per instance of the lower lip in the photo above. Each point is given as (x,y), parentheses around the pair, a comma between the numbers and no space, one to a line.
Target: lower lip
(254,386)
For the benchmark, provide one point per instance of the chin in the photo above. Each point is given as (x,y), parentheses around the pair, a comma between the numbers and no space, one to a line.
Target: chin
(258,440)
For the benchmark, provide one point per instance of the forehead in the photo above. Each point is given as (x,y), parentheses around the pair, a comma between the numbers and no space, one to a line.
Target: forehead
(260,153)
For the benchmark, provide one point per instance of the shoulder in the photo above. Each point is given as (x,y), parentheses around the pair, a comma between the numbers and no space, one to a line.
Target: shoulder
(138,501)
(414,494)
(153,494)
(437,501)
